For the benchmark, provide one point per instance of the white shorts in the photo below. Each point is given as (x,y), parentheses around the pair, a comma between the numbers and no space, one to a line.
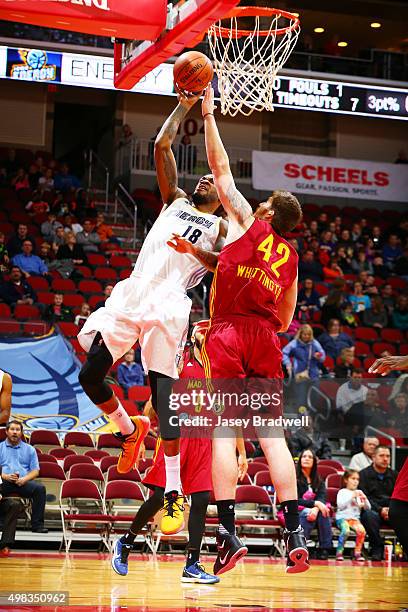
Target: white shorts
(152,312)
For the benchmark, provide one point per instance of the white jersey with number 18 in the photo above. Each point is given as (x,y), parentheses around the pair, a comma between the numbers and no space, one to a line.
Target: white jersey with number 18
(159,262)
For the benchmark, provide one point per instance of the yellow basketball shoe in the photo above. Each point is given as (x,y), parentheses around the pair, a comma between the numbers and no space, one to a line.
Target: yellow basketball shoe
(131,443)
(173,518)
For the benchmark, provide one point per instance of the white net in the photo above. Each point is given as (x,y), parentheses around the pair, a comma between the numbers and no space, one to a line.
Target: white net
(247,61)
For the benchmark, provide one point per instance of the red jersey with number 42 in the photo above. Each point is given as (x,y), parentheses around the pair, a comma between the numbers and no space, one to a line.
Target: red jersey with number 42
(253,274)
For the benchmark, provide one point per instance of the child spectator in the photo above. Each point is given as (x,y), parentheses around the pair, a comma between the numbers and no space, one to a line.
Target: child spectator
(345,368)
(57,311)
(359,301)
(49,227)
(83,315)
(350,501)
(130,373)
(348,317)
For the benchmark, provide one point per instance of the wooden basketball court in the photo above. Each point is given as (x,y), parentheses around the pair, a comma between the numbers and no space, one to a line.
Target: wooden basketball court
(258,584)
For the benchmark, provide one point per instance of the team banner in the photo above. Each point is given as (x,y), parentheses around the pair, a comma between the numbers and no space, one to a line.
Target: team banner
(46,390)
(328,176)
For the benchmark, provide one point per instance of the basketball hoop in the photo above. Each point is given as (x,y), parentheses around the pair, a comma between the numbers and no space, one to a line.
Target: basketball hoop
(247,61)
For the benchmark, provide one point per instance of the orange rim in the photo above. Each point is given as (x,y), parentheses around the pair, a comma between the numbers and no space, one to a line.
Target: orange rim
(255,11)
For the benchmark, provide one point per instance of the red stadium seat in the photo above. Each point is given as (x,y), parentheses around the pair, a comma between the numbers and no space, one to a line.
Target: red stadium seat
(68,329)
(329,362)
(90,286)
(362,348)
(45,297)
(71,460)
(254,467)
(397,282)
(139,394)
(61,453)
(366,334)
(98,455)
(331,495)
(106,274)
(108,440)
(63,284)
(404,349)
(73,299)
(51,470)
(38,283)
(44,436)
(90,471)
(78,438)
(5,310)
(263,479)
(96,259)
(333,463)
(76,346)
(125,273)
(392,335)
(379,347)
(321,288)
(85,271)
(113,474)
(120,261)
(10,327)
(25,311)
(334,480)
(130,406)
(107,461)
(95,299)
(325,470)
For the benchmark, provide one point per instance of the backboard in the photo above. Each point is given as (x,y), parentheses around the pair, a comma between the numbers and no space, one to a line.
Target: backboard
(185,22)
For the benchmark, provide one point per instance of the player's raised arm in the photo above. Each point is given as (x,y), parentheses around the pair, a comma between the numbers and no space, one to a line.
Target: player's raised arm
(166,167)
(287,305)
(233,201)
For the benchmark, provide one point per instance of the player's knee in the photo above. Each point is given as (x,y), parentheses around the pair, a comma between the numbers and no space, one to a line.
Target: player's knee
(92,381)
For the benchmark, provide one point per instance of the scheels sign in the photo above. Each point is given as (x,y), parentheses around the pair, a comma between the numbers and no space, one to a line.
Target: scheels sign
(329,176)
(99,4)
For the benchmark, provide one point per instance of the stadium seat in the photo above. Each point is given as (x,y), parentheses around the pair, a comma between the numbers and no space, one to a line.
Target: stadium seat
(321,288)
(329,362)
(84,270)
(73,300)
(51,470)
(108,440)
(333,463)
(139,394)
(5,310)
(150,442)
(125,273)
(61,453)
(325,470)
(38,283)
(392,335)
(331,495)
(68,329)
(90,471)
(249,448)
(46,458)
(96,259)
(254,467)
(97,455)
(71,460)
(78,439)
(107,461)
(44,439)
(63,284)
(95,299)
(263,479)
(25,311)
(362,349)
(120,261)
(90,287)
(10,327)
(366,334)
(397,282)
(379,347)
(116,496)
(113,474)
(106,274)
(145,464)
(334,480)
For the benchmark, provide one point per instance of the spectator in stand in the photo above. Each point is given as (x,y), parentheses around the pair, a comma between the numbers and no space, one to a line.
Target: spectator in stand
(349,394)
(19,469)
(70,225)
(29,264)
(104,231)
(46,181)
(46,254)
(4,256)
(332,308)
(379,269)
(387,294)
(20,181)
(88,238)
(360,263)
(60,206)
(84,313)
(48,227)
(16,290)
(37,206)
(334,340)
(401,265)
(359,301)
(312,493)
(15,244)
(58,311)
(307,354)
(400,313)
(345,363)
(344,260)
(126,137)
(346,241)
(391,251)
(348,316)
(10,509)
(398,415)
(59,239)
(332,270)
(308,298)
(356,233)
(130,373)
(312,231)
(72,250)
(107,291)
(377,482)
(310,268)
(368,412)
(34,176)
(365,457)
(377,237)
(350,501)
(376,316)
(310,437)
(322,221)
(66,182)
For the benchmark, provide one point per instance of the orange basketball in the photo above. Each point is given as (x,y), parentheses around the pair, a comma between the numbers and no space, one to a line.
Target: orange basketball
(193,71)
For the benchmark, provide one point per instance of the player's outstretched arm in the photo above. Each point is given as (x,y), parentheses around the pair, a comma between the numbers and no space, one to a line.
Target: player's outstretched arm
(209,259)
(166,167)
(384,365)
(234,203)
(286,307)
(5,399)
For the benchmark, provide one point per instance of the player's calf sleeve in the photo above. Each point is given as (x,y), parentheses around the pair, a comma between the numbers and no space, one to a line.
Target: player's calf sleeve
(146,511)
(291,514)
(226,514)
(93,372)
(196,525)
(162,387)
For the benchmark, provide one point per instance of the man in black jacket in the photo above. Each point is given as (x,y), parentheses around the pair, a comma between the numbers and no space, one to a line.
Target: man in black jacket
(377,482)
(10,509)
(16,290)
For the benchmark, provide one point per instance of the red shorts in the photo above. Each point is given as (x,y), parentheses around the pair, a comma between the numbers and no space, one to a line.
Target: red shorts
(195,466)
(243,355)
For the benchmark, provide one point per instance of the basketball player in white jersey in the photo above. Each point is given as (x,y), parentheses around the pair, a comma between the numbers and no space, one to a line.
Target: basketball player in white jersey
(5,397)
(152,306)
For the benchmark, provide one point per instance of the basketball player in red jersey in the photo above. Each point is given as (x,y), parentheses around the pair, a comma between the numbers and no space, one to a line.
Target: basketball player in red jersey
(253,297)
(399,498)
(195,455)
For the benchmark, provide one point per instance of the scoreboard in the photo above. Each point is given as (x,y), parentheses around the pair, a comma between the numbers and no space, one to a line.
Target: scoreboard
(340,97)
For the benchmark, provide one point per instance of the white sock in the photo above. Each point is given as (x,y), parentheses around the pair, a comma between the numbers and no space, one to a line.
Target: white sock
(122,420)
(173,482)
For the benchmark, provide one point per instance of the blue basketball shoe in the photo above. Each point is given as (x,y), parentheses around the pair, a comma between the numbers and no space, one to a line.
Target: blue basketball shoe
(120,556)
(197,573)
